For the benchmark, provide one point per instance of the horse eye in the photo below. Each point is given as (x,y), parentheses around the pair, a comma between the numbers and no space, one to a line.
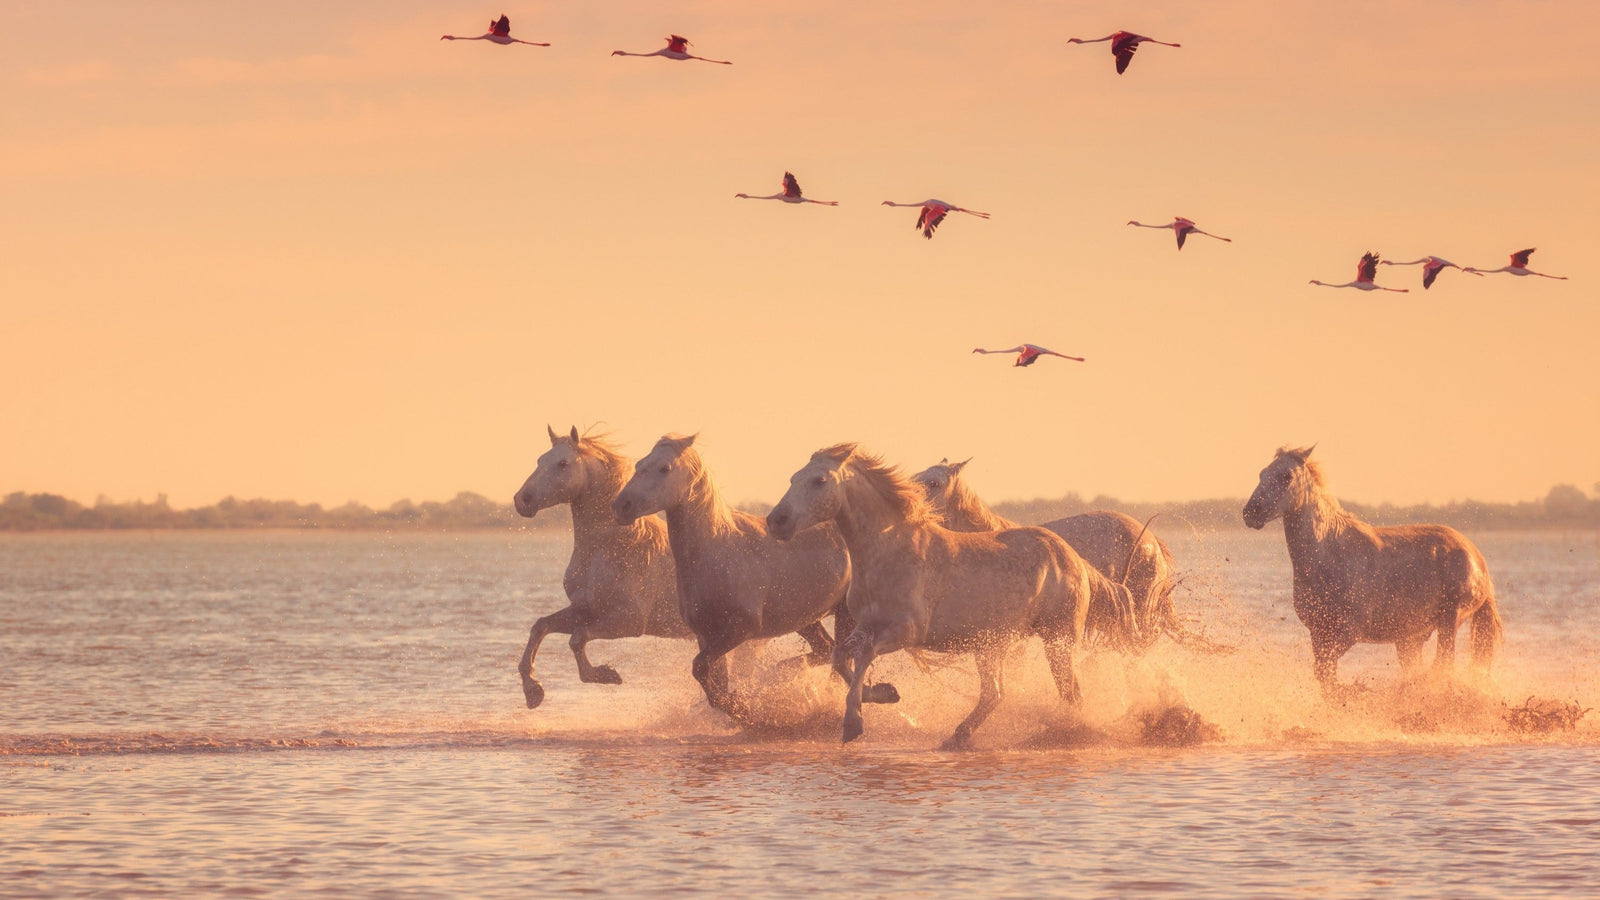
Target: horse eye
(822,480)
(564,463)
(665,469)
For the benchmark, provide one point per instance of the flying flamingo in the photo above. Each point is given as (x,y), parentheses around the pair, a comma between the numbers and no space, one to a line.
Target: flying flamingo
(677,48)
(1431,267)
(1028,354)
(791,194)
(933,212)
(1519,266)
(1123,45)
(1183,228)
(499,32)
(1366,270)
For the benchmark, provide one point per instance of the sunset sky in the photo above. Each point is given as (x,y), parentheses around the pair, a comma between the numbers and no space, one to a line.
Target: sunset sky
(309,251)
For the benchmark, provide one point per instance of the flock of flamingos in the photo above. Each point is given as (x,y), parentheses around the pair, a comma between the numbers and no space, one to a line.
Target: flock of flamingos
(920,563)
(932,212)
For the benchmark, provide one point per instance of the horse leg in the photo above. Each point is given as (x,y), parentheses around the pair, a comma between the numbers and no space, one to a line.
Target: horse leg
(1059,652)
(710,668)
(1444,658)
(864,652)
(588,673)
(844,625)
(821,643)
(1409,650)
(1325,653)
(562,622)
(989,662)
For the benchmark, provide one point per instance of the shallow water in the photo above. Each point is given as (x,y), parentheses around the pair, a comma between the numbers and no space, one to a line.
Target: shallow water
(302,713)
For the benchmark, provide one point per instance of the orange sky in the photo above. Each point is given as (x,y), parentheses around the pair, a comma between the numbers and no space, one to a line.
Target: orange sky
(309,251)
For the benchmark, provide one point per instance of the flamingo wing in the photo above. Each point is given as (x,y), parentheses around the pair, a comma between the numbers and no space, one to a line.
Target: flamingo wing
(791,187)
(677,43)
(1429,273)
(1123,46)
(930,217)
(1520,258)
(1367,269)
(1182,230)
(502,26)
(1037,350)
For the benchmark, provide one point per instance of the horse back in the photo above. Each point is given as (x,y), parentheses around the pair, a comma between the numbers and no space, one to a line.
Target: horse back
(1440,550)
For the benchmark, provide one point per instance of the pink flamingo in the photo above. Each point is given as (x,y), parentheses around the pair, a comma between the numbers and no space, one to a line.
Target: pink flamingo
(1519,266)
(1028,354)
(1123,45)
(677,48)
(1182,228)
(791,194)
(499,32)
(1366,270)
(1431,267)
(933,212)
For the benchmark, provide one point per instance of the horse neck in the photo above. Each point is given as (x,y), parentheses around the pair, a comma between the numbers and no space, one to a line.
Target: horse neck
(700,517)
(864,519)
(593,519)
(1314,527)
(967,512)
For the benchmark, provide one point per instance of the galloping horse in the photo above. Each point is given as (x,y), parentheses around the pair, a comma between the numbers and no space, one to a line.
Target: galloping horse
(918,584)
(735,582)
(1117,546)
(620,581)
(1354,583)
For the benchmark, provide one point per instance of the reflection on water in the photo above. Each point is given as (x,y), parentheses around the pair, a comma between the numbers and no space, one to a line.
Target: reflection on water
(187,714)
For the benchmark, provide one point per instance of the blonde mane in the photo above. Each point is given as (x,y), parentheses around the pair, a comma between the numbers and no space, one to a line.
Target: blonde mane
(1328,515)
(604,447)
(702,487)
(899,490)
(967,506)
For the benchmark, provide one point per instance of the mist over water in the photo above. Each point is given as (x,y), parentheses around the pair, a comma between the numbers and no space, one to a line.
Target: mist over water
(291,706)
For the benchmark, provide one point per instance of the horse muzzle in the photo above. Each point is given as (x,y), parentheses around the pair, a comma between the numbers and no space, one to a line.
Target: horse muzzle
(780,524)
(1254,518)
(625,510)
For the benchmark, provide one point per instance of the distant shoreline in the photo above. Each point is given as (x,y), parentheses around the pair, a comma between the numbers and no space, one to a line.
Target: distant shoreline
(1564,508)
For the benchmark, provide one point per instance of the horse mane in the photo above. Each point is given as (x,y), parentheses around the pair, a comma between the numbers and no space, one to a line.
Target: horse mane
(605,447)
(966,505)
(1328,514)
(890,483)
(702,487)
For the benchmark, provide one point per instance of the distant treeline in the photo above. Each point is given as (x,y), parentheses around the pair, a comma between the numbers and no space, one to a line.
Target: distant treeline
(41,512)
(1564,506)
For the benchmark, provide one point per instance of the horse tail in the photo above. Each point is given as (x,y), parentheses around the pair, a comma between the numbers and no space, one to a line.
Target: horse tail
(1134,551)
(1487,633)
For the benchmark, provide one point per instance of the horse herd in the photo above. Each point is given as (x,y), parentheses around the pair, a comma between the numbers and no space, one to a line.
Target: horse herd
(920,563)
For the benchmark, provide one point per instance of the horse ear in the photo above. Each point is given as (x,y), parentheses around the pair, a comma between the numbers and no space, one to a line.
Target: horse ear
(689,441)
(575,438)
(552,434)
(1304,453)
(945,461)
(956,467)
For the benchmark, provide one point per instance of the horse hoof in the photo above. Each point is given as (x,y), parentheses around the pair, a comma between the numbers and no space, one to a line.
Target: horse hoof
(852,729)
(603,675)
(956,744)
(534,692)
(882,692)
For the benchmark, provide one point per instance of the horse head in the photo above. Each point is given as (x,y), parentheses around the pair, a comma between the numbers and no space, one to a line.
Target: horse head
(663,478)
(815,493)
(1286,484)
(939,483)
(559,477)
